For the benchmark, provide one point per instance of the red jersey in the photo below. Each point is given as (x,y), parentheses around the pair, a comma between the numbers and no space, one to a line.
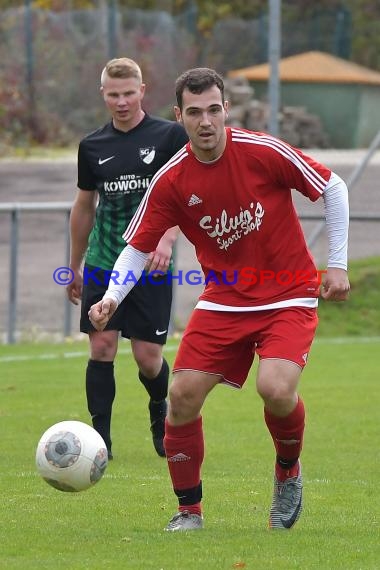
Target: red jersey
(239,214)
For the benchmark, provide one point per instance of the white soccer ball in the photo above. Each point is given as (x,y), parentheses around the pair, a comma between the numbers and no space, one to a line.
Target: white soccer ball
(71,456)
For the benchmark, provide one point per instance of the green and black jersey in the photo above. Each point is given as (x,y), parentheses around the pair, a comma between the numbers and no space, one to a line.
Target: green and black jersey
(119,166)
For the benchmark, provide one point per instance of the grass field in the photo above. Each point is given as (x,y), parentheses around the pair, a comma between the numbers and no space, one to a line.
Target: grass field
(118,523)
(360,315)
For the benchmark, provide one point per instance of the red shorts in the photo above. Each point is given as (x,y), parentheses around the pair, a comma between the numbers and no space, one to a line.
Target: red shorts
(225,343)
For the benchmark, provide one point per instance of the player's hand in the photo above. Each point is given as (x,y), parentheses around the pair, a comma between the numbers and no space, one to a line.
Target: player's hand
(335,285)
(100,313)
(159,259)
(74,289)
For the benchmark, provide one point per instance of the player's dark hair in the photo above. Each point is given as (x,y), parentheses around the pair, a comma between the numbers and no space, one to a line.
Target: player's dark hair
(196,81)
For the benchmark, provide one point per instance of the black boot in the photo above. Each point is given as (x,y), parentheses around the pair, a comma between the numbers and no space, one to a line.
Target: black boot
(157,411)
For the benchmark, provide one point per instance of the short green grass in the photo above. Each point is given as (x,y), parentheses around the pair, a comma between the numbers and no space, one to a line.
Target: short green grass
(118,523)
(360,315)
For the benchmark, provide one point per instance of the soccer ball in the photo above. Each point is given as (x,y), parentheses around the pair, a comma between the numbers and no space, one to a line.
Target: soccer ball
(71,456)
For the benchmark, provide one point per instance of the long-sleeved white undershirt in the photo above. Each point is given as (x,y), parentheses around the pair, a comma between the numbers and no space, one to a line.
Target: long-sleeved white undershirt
(337,220)
(131,261)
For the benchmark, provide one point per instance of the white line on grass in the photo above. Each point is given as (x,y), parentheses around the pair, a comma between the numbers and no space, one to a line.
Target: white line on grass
(55,356)
(80,354)
(142,482)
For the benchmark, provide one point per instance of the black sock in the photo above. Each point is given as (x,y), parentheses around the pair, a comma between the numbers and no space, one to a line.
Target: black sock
(189,496)
(157,387)
(286,463)
(100,391)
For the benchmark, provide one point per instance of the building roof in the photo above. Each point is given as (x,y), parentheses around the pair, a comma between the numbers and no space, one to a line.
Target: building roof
(313,67)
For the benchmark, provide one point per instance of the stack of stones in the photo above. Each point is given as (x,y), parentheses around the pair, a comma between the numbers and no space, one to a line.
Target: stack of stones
(296,125)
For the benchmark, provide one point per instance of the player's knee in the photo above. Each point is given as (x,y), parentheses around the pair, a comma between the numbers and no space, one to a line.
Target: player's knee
(275,392)
(184,401)
(103,346)
(150,367)
(148,360)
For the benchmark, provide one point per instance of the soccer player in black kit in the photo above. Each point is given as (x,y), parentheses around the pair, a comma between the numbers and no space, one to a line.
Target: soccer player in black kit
(115,166)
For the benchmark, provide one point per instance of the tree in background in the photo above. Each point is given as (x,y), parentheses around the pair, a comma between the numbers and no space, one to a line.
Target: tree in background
(365,15)
(70,43)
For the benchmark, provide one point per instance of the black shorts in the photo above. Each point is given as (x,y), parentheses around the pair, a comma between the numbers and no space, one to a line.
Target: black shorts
(144,314)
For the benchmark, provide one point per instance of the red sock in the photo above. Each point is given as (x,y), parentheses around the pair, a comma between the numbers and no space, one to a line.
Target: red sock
(287,434)
(184,447)
(195,509)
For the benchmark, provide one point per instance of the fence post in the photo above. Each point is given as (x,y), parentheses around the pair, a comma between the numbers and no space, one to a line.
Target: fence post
(342,33)
(274,51)
(29,58)
(67,304)
(12,309)
(112,36)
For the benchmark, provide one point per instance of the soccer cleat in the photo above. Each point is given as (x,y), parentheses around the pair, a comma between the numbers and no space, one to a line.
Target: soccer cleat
(184,520)
(287,502)
(110,456)
(157,411)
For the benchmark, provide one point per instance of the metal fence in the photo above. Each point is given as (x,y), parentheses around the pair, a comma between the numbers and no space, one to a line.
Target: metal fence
(15,210)
(57,58)
(11,331)
(62,315)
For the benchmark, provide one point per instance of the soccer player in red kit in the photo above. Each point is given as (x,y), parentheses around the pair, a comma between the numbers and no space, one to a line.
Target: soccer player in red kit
(229,191)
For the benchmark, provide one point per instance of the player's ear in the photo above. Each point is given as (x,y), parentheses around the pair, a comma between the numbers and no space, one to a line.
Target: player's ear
(142,89)
(178,114)
(226,107)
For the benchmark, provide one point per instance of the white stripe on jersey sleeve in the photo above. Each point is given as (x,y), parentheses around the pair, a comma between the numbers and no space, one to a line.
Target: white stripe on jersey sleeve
(136,220)
(315,179)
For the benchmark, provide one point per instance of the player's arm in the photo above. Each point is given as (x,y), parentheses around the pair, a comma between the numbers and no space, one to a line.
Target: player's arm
(127,271)
(335,285)
(293,169)
(155,217)
(81,223)
(159,259)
